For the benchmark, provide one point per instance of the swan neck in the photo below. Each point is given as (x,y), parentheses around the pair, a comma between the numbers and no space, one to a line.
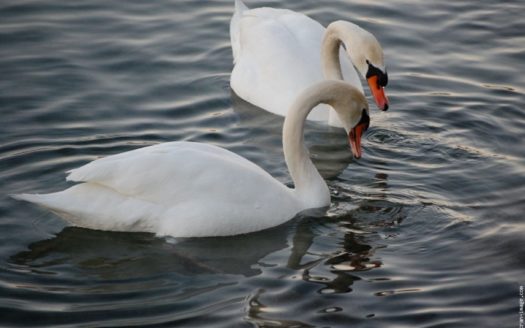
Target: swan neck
(330,55)
(310,187)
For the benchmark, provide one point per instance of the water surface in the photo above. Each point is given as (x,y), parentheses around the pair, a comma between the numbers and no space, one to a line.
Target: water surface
(426,230)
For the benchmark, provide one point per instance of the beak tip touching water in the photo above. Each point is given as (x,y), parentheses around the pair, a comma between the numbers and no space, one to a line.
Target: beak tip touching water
(354,139)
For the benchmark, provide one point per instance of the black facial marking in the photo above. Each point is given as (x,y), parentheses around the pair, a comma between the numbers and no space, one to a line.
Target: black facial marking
(365,119)
(382,78)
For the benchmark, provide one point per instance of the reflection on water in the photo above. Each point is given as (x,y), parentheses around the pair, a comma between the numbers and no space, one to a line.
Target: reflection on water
(114,255)
(111,262)
(256,315)
(117,255)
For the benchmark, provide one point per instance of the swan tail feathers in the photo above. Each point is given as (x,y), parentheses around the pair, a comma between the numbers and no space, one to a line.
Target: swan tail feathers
(31,198)
(50,201)
(55,204)
(97,207)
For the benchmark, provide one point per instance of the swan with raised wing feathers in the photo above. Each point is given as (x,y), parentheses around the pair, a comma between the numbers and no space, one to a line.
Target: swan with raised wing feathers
(188,189)
(278,53)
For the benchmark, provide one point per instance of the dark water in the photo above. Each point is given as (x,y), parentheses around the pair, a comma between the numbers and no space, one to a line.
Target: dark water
(426,230)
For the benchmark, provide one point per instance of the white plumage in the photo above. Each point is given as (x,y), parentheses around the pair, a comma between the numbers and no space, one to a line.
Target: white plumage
(174,188)
(187,189)
(277,54)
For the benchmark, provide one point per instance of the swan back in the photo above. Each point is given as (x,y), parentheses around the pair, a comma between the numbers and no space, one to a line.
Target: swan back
(173,170)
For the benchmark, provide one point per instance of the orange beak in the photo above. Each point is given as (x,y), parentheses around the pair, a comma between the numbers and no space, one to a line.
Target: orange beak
(354,137)
(378,92)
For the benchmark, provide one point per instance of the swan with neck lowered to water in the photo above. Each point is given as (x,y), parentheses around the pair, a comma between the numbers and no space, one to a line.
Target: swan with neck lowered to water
(188,189)
(278,53)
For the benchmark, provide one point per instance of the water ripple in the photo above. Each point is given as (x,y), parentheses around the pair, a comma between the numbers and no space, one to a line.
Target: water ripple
(425,230)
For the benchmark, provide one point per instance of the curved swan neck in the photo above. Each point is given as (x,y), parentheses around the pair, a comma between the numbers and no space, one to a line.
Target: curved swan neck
(357,42)
(309,185)
(330,54)
(349,103)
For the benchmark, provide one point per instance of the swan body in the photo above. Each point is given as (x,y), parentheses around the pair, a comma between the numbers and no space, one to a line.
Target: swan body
(173,189)
(188,189)
(277,54)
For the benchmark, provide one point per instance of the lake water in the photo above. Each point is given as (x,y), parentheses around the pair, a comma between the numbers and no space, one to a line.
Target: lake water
(426,230)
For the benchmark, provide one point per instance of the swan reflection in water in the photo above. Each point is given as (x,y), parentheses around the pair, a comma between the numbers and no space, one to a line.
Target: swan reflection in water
(116,255)
(329,254)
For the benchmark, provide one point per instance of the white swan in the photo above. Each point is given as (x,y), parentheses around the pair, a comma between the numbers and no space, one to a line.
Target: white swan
(277,54)
(187,189)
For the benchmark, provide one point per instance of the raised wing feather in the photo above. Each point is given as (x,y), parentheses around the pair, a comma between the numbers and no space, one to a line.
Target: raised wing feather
(172,172)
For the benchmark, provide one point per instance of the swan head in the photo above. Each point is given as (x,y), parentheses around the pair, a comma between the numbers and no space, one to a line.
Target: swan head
(377,80)
(352,109)
(366,54)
